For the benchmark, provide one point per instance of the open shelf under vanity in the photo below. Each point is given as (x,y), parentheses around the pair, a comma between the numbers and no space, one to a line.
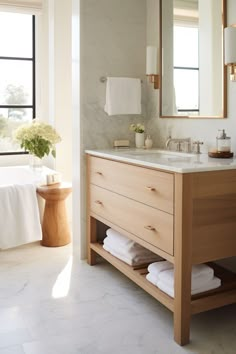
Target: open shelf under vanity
(208,300)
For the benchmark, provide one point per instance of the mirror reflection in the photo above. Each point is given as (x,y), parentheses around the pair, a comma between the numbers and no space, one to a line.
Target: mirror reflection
(192,69)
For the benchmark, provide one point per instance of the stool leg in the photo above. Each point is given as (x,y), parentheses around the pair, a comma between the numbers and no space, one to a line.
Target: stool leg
(55,224)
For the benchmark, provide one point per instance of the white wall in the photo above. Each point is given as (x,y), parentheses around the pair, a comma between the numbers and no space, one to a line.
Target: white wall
(113,42)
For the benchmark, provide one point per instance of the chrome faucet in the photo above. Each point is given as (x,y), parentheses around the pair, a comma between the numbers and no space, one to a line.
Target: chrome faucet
(178,143)
(197,144)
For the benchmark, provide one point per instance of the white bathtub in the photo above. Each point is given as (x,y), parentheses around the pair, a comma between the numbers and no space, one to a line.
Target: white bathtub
(22,175)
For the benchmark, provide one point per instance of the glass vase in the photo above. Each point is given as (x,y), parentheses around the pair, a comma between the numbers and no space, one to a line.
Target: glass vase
(35,162)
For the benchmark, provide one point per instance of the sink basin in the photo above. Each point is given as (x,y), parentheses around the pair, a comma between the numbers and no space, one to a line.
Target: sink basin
(159,154)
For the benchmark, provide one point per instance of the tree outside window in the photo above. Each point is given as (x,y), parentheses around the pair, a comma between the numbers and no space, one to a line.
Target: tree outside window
(17,72)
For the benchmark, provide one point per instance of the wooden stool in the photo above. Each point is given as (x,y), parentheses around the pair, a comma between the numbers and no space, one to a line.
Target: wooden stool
(55,225)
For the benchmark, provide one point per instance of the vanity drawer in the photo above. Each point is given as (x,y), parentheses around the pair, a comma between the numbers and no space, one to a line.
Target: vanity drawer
(152,225)
(150,187)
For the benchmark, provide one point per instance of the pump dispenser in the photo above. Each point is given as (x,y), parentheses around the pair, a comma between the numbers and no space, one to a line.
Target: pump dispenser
(223,142)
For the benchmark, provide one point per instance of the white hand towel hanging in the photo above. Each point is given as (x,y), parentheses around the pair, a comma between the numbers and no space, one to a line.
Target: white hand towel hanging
(123,96)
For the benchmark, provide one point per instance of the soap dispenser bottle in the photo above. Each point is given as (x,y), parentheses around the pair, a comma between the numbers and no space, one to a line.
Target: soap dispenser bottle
(223,142)
(148,142)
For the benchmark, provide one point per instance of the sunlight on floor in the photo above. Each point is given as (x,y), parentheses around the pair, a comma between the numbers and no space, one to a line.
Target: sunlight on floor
(62,284)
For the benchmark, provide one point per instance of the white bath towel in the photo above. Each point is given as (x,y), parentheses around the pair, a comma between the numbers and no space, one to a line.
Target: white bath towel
(134,259)
(123,96)
(130,252)
(152,278)
(156,268)
(201,275)
(118,239)
(19,215)
(212,284)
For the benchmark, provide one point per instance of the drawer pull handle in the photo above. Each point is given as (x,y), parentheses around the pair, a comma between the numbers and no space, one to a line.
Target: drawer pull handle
(150,228)
(98,202)
(151,189)
(99,173)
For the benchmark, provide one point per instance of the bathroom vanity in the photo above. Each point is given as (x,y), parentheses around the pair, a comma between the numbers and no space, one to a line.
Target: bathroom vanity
(180,206)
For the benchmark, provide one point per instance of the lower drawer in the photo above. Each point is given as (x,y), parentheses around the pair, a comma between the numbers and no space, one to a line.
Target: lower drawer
(149,224)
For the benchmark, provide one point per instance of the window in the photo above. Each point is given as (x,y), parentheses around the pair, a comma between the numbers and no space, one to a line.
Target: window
(186,69)
(17,73)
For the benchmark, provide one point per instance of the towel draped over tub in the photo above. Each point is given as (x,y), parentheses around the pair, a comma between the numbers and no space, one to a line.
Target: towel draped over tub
(19,215)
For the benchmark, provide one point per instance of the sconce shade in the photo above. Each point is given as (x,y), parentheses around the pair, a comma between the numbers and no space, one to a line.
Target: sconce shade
(151,60)
(230,45)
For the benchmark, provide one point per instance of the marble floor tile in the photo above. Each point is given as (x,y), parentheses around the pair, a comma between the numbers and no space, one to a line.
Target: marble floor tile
(12,350)
(51,303)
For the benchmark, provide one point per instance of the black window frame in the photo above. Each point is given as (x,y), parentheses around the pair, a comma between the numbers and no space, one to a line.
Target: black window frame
(33,105)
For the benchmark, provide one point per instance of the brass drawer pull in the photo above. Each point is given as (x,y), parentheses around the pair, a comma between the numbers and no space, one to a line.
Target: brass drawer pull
(98,202)
(99,173)
(151,189)
(149,228)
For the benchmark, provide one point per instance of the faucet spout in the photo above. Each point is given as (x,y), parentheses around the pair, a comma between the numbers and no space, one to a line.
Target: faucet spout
(168,141)
(177,141)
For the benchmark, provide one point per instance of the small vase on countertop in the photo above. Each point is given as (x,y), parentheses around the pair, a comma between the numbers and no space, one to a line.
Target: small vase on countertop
(139,140)
(148,142)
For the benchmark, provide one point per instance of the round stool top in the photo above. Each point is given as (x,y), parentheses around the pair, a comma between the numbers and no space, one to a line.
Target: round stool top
(56,186)
(55,191)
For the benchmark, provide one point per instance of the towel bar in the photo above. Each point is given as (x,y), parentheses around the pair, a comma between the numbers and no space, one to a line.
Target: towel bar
(104,79)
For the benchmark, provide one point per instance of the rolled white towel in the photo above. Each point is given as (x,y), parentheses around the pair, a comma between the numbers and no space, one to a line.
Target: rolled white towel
(201,275)
(156,268)
(212,284)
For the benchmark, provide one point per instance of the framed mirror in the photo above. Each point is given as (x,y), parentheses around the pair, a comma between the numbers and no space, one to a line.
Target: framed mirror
(192,72)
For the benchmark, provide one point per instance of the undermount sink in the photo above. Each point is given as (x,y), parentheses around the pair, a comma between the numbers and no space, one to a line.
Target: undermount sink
(159,154)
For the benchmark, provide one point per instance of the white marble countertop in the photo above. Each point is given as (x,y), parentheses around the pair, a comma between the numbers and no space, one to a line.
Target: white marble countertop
(167,160)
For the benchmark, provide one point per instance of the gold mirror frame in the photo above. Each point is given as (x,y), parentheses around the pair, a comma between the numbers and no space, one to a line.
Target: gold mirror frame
(224,70)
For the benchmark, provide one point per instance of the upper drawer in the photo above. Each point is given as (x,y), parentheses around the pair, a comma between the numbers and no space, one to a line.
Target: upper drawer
(147,186)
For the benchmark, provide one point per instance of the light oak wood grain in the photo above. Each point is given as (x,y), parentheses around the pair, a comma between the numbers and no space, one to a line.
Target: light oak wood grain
(152,225)
(182,258)
(151,187)
(214,215)
(55,227)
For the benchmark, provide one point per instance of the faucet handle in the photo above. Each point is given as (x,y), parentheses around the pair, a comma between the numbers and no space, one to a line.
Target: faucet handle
(198,143)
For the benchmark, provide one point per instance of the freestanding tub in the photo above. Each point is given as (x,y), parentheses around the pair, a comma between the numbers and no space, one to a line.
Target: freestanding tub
(20,175)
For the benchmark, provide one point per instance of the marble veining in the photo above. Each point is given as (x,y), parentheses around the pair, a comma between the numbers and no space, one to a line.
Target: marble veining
(103,311)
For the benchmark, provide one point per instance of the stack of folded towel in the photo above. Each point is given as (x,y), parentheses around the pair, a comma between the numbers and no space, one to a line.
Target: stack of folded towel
(161,274)
(127,250)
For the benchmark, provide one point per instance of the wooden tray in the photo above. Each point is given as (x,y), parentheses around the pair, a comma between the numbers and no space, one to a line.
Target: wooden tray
(221,154)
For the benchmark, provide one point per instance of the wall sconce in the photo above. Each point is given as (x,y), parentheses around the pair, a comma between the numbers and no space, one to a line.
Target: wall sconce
(230,50)
(151,66)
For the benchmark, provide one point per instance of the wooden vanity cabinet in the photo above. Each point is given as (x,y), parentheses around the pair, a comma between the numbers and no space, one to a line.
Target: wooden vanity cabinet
(185,218)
